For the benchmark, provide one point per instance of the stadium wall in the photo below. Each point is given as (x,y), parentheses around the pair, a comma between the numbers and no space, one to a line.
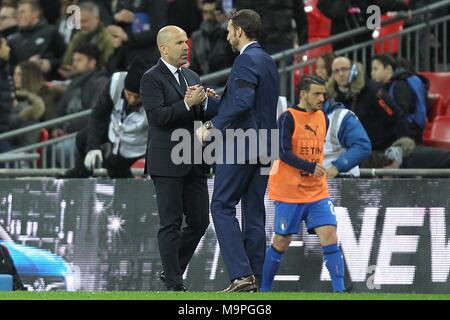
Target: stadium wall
(394,234)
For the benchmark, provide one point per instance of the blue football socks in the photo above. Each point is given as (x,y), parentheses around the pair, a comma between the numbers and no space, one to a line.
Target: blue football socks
(334,261)
(271,264)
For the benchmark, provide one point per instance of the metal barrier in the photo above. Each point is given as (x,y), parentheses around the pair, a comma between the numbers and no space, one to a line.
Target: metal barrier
(425,173)
(138,172)
(7,157)
(407,36)
(410,43)
(50,154)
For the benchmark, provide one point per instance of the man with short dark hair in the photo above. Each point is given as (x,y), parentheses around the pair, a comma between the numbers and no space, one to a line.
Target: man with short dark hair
(84,89)
(406,88)
(299,185)
(248,104)
(36,40)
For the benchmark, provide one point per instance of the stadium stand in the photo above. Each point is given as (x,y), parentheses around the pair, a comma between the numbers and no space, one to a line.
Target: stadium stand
(43,136)
(439,82)
(437,105)
(319,29)
(438,133)
(389,45)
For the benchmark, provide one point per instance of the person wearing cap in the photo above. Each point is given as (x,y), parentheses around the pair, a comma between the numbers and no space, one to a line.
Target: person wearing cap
(117,118)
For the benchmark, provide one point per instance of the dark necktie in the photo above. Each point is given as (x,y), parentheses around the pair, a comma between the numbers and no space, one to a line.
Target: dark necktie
(182,81)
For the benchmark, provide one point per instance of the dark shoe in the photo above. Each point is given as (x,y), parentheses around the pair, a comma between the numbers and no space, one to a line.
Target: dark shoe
(243,284)
(178,287)
(349,289)
(162,276)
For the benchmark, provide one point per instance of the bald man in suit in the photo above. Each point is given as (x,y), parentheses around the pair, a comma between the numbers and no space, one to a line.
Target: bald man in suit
(181,189)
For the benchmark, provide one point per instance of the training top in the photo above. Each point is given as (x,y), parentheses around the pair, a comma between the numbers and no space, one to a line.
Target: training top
(302,139)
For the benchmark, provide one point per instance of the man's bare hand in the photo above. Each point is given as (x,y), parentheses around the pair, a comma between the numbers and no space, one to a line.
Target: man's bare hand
(332,172)
(66,71)
(44,64)
(204,134)
(195,95)
(211,93)
(200,133)
(320,170)
(117,31)
(124,16)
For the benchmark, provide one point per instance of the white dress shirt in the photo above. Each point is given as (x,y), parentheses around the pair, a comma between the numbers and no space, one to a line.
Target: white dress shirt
(174,70)
(245,47)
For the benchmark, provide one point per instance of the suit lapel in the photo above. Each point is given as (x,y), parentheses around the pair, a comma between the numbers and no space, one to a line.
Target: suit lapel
(189,78)
(170,77)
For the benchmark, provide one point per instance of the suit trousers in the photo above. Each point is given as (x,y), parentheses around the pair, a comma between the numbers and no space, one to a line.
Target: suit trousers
(243,249)
(178,196)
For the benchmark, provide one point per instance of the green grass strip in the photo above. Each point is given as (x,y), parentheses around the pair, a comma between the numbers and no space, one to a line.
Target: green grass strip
(133,295)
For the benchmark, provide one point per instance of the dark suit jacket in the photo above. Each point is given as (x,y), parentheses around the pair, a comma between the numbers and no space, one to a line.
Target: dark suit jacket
(166,112)
(250,96)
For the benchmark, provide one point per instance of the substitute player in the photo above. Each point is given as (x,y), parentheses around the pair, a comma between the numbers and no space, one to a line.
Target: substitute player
(299,186)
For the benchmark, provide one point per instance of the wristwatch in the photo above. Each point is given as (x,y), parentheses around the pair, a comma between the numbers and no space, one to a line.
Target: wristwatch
(208,125)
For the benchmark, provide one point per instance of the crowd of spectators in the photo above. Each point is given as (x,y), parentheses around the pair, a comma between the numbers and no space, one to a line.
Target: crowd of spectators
(60,70)
(49,70)
(391,105)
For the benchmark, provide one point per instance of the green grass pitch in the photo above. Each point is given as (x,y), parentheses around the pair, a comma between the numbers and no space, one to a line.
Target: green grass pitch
(129,295)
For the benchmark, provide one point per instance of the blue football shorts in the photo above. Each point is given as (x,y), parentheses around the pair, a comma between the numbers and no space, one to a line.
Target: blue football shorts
(288,216)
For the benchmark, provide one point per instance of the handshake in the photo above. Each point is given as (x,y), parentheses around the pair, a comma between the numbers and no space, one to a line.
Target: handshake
(197,95)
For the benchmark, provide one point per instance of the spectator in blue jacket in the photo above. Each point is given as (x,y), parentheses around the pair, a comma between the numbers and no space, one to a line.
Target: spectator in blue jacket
(347,144)
(407,89)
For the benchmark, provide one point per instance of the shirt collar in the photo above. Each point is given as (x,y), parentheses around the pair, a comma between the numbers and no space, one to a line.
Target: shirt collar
(172,68)
(245,47)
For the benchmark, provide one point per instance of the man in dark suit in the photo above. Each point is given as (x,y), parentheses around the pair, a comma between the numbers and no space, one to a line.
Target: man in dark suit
(249,102)
(180,188)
